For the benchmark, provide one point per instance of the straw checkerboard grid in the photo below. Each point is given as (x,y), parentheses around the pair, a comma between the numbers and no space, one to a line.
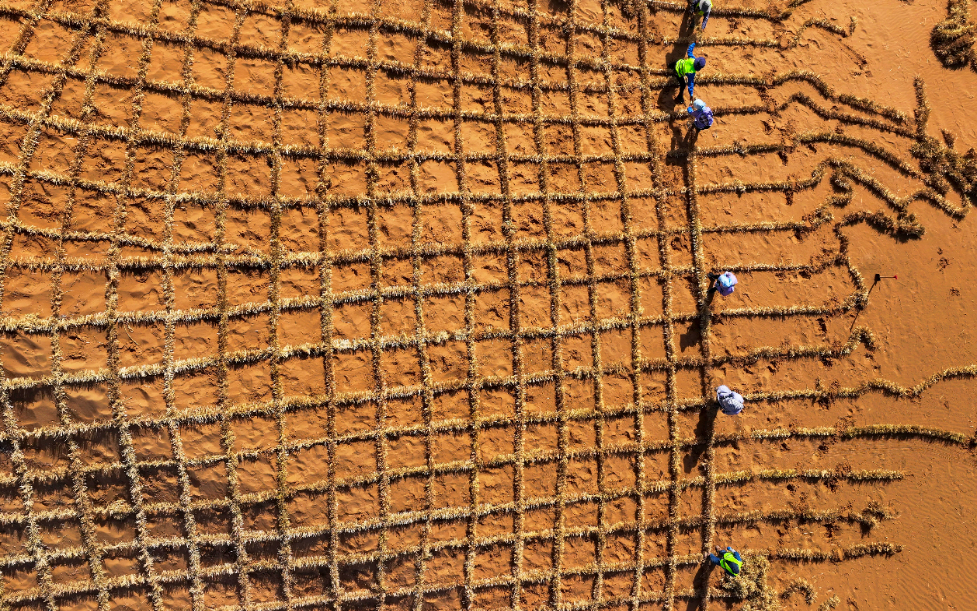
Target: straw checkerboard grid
(266,553)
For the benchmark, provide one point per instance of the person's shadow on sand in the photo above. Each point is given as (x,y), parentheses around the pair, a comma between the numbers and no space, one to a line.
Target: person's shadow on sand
(691,136)
(687,28)
(700,582)
(684,135)
(691,337)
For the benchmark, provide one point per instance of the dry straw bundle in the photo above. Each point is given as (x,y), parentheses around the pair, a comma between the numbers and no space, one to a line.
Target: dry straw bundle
(953,38)
(830,604)
(803,587)
(946,169)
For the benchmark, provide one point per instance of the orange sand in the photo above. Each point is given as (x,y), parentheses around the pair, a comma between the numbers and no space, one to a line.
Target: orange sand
(403,306)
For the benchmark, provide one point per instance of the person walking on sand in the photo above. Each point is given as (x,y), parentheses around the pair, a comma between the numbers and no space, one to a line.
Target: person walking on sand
(729,559)
(685,69)
(701,7)
(730,402)
(701,115)
(724,283)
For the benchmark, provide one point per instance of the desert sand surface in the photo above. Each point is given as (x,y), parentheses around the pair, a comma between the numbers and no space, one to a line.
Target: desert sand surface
(326,304)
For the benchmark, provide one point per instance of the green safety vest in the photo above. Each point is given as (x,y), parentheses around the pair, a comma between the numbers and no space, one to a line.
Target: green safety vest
(728,561)
(685,66)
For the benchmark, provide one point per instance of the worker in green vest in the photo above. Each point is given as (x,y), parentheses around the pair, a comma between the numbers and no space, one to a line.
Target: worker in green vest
(686,68)
(729,559)
(701,7)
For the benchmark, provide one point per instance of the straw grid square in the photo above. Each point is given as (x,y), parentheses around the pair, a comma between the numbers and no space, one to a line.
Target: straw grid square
(362,342)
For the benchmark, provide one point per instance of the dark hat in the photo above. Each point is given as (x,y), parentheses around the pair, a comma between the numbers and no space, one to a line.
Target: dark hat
(700,63)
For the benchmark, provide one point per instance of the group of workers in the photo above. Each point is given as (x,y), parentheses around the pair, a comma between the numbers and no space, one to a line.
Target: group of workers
(686,69)
(730,402)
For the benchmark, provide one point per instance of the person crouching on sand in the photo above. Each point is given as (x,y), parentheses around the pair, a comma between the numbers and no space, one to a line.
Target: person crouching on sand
(701,115)
(685,70)
(724,283)
(701,7)
(729,560)
(730,402)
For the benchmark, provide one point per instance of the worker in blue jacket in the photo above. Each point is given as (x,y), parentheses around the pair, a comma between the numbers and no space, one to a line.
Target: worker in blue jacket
(730,402)
(701,114)
(685,69)
(729,560)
